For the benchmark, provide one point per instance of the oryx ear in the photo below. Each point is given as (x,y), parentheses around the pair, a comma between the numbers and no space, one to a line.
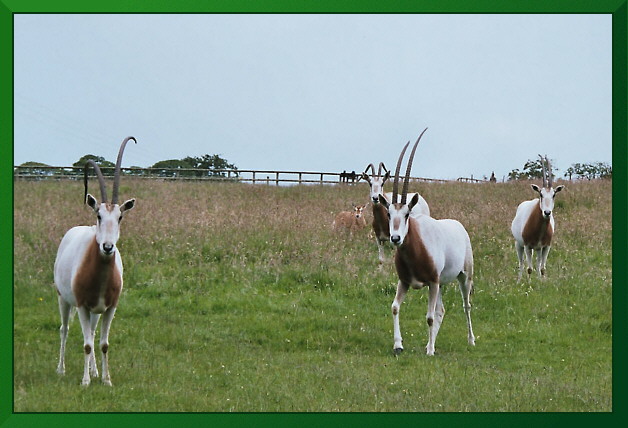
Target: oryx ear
(364,176)
(127,205)
(535,188)
(91,202)
(383,201)
(386,176)
(559,188)
(413,201)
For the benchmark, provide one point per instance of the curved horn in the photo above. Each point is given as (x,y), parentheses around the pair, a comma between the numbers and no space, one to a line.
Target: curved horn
(544,171)
(116,174)
(396,180)
(101,180)
(381,165)
(404,192)
(367,168)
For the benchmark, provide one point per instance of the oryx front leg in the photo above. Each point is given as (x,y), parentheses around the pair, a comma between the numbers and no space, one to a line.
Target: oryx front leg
(519,248)
(543,259)
(433,324)
(402,289)
(88,342)
(104,343)
(64,310)
(93,368)
(528,251)
(380,249)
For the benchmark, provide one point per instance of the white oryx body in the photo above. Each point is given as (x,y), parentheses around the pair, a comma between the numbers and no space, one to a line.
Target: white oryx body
(380,216)
(73,256)
(429,253)
(88,274)
(533,226)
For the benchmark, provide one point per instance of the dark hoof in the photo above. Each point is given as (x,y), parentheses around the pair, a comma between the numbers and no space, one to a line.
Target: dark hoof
(397,351)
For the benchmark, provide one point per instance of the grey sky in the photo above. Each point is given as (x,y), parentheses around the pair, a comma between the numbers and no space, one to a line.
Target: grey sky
(316,92)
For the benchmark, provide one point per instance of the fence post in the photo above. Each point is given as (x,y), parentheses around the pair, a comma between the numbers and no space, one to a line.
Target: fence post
(253,177)
(277,178)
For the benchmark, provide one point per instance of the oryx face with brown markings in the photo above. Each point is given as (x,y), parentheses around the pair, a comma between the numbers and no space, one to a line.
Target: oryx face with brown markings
(399,212)
(547,192)
(546,196)
(108,215)
(108,219)
(398,215)
(376,181)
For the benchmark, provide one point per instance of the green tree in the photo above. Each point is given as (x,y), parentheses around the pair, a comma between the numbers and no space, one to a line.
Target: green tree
(211,163)
(532,170)
(589,171)
(35,168)
(107,167)
(173,168)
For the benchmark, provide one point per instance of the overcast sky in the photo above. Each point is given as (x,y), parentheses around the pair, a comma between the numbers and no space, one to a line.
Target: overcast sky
(316,92)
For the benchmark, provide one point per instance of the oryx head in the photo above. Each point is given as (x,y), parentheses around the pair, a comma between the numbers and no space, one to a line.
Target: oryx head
(547,192)
(398,213)
(376,181)
(358,209)
(108,215)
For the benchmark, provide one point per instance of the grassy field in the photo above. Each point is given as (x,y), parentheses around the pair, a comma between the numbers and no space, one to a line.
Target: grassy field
(240,298)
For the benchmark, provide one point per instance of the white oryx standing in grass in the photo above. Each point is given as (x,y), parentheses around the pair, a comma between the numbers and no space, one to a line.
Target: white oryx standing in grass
(88,272)
(533,225)
(429,253)
(380,214)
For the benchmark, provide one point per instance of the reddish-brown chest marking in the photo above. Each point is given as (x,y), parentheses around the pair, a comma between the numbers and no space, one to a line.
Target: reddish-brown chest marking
(412,260)
(537,231)
(380,222)
(97,278)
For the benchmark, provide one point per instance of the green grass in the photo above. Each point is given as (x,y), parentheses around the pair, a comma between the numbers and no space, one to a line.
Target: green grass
(241,298)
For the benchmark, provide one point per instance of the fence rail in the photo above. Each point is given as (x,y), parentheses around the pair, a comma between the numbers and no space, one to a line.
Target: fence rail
(239,175)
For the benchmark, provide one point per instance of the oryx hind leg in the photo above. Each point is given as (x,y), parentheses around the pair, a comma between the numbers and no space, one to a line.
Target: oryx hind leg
(431,317)
(64,311)
(466,287)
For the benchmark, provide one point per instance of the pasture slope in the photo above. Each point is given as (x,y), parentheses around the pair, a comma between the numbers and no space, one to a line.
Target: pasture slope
(240,298)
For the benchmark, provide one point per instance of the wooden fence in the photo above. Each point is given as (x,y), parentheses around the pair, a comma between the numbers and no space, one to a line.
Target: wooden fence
(239,175)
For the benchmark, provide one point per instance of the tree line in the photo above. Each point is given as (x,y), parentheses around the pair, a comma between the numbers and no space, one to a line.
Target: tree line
(533,169)
(190,166)
(212,165)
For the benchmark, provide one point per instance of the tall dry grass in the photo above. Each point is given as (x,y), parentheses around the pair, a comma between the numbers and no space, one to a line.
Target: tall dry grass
(244,298)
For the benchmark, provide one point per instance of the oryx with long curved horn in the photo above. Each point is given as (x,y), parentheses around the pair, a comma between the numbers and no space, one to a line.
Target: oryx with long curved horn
(429,253)
(380,216)
(88,272)
(533,226)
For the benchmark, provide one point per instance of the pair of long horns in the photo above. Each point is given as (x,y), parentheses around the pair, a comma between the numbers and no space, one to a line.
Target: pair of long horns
(404,191)
(547,171)
(101,180)
(379,170)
